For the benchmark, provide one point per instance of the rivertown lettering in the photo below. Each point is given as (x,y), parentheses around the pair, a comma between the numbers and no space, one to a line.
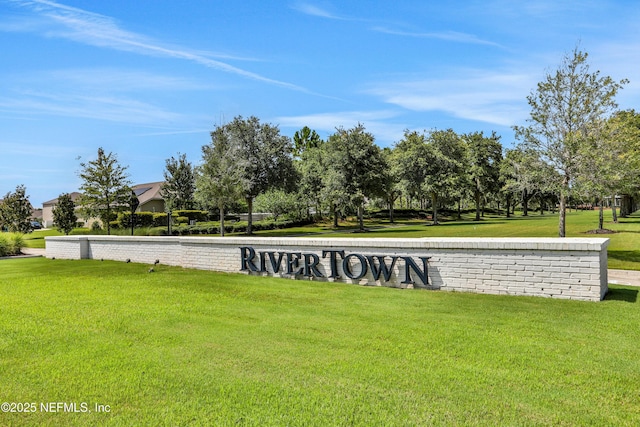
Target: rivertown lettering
(309,264)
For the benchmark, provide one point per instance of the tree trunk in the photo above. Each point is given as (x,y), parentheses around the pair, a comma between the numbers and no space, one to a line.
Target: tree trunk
(508,206)
(434,201)
(361,216)
(459,208)
(562,221)
(477,197)
(335,216)
(525,202)
(614,214)
(601,215)
(391,203)
(108,223)
(222,220)
(250,216)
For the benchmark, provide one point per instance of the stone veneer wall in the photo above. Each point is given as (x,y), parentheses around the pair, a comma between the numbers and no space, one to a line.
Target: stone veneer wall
(571,268)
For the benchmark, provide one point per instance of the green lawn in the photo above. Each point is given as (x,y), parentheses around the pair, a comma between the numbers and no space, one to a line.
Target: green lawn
(186,347)
(624,249)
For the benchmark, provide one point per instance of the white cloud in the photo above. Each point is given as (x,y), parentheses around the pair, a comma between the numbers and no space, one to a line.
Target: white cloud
(313,10)
(377,123)
(98,30)
(453,36)
(496,98)
(117,109)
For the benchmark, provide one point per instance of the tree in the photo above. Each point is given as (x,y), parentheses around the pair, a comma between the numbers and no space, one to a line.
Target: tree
(305,139)
(484,155)
(411,165)
(445,166)
(309,161)
(565,108)
(623,150)
(611,160)
(64,214)
(390,183)
(265,155)
(15,211)
(105,187)
(220,178)
(179,183)
(279,203)
(356,166)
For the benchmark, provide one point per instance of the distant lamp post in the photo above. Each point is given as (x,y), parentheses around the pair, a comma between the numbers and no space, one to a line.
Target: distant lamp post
(133,204)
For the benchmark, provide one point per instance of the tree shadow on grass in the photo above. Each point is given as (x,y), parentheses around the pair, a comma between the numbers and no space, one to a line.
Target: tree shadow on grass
(633,256)
(622,294)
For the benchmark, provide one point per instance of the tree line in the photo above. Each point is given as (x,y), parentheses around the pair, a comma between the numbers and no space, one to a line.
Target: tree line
(576,146)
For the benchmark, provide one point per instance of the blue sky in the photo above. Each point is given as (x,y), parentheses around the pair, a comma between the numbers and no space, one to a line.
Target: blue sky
(147,79)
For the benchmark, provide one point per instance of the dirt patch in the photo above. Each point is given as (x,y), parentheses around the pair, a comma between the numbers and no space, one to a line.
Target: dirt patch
(603,231)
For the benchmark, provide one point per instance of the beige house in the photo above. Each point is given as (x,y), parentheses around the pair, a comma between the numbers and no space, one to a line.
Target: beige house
(148,196)
(47,209)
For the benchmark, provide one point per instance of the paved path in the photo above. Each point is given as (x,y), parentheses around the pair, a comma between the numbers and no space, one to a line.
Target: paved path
(624,277)
(33,251)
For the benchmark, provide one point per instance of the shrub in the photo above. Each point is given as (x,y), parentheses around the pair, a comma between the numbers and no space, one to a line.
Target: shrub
(81,231)
(16,243)
(192,215)
(4,245)
(157,231)
(159,219)
(11,244)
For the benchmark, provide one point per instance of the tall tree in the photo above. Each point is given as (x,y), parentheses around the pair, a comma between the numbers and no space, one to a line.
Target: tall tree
(64,214)
(15,211)
(484,155)
(356,165)
(105,187)
(623,146)
(611,160)
(265,157)
(179,183)
(564,110)
(411,163)
(445,157)
(311,168)
(305,139)
(220,177)
(526,175)
(390,183)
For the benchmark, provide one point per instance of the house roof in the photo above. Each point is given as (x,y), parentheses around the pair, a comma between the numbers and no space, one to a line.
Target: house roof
(145,192)
(148,192)
(74,197)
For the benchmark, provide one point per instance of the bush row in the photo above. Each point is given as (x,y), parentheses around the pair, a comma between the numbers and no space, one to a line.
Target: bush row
(236,227)
(212,227)
(159,219)
(231,227)
(399,213)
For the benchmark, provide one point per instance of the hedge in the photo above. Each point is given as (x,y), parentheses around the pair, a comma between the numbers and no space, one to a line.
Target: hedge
(237,227)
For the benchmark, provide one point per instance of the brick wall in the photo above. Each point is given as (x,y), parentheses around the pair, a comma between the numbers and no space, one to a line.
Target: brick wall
(572,268)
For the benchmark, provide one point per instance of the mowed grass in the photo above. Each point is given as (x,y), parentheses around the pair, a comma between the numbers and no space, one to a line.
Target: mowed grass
(184,347)
(623,250)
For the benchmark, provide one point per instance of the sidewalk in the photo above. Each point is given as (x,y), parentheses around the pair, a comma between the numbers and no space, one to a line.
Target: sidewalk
(33,251)
(624,277)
